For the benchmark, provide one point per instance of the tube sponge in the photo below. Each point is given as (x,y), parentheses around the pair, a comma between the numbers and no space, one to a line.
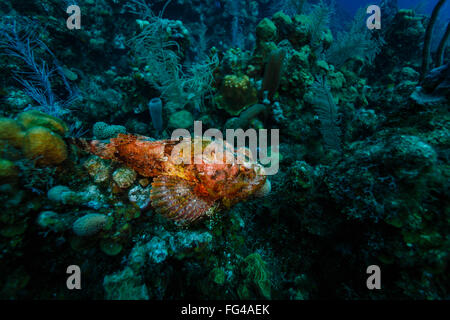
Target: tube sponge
(155,108)
(272,74)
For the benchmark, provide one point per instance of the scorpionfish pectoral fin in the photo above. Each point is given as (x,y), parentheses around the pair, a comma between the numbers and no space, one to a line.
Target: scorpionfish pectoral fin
(175,199)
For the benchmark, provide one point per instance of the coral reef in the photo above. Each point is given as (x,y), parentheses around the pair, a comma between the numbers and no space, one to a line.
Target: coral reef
(87,178)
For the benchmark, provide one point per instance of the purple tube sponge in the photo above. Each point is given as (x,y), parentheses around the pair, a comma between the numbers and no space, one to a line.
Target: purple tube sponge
(155,108)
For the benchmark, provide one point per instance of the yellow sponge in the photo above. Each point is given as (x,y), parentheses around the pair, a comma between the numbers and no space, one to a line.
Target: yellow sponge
(42,144)
(11,132)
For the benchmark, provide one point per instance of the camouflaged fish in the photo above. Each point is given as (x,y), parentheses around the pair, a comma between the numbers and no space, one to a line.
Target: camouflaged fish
(185,191)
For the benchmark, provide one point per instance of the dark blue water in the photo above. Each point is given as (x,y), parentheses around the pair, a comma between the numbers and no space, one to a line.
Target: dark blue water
(424,6)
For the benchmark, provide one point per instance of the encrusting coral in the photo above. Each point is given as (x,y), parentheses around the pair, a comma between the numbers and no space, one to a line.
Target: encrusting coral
(89,224)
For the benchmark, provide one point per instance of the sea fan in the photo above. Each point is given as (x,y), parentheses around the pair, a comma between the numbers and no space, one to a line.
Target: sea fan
(327,111)
(358,41)
(19,39)
(319,20)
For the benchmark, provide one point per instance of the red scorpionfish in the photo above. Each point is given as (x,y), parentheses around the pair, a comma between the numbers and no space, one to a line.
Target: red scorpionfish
(189,190)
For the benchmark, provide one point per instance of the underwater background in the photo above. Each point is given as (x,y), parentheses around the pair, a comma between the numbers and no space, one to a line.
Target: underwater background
(363,119)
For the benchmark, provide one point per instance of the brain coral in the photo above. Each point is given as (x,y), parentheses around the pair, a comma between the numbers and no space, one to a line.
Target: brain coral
(11,132)
(34,118)
(45,146)
(103,130)
(89,224)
